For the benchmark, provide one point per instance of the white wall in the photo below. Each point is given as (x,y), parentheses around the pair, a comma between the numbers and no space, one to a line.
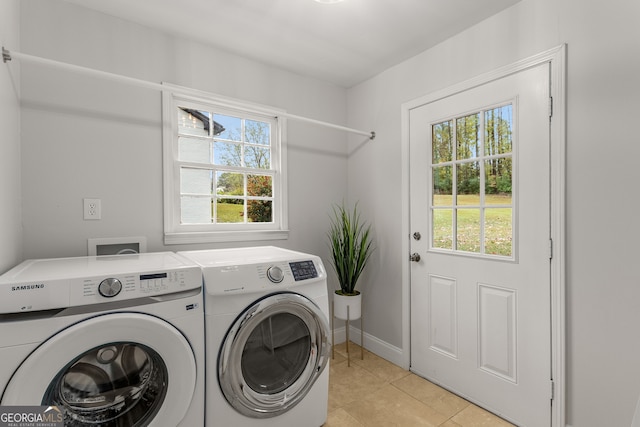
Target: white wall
(85,137)
(10,198)
(603,289)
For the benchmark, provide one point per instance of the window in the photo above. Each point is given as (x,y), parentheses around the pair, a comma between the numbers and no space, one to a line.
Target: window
(223,171)
(472,183)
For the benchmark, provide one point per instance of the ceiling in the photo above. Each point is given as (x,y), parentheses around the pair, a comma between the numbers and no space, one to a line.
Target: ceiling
(343,43)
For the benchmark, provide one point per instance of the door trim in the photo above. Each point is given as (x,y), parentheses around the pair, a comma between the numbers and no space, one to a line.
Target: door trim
(556,57)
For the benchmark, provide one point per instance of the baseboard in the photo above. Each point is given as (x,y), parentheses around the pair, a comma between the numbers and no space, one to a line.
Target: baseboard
(375,345)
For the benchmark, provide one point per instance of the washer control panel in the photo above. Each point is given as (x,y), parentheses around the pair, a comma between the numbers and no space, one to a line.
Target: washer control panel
(90,290)
(136,285)
(46,284)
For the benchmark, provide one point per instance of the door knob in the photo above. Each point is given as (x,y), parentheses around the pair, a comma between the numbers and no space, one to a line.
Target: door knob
(415,257)
(417,235)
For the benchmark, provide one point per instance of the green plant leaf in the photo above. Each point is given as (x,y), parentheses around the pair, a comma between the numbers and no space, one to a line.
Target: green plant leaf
(351,246)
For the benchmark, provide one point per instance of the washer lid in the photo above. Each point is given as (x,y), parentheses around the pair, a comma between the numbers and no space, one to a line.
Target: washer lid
(68,268)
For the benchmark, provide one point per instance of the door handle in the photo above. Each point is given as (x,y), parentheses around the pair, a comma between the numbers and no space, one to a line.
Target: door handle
(415,257)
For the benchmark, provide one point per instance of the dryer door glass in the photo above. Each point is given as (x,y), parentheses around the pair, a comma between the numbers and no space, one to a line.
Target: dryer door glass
(276,353)
(117,384)
(273,354)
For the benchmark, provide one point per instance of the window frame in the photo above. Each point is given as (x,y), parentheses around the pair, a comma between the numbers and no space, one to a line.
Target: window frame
(177,233)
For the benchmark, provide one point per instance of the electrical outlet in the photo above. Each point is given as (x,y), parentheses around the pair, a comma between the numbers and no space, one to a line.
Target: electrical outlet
(92,208)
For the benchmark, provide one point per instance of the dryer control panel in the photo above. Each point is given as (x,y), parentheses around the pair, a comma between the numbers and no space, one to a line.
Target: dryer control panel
(284,272)
(302,270)
(256,269)
(274,275)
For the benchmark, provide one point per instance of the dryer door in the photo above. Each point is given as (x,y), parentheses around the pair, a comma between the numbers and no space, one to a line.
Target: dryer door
(273,354)
(113,370)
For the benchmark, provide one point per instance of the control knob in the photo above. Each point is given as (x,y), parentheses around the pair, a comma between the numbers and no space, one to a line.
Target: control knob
(109,288)
(275,274)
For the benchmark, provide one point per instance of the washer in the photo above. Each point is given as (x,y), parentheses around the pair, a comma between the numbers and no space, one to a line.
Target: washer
(112,341)
(267,337)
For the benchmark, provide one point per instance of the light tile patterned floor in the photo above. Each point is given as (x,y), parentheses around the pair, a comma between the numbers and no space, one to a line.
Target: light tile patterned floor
(374,392)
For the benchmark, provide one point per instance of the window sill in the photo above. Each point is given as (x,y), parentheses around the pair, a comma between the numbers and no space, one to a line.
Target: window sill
(224,236)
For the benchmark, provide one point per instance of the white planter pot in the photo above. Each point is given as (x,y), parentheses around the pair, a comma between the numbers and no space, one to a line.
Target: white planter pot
(341,302)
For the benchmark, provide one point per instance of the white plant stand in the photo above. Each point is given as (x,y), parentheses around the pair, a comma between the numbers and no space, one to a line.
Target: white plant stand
(347,318)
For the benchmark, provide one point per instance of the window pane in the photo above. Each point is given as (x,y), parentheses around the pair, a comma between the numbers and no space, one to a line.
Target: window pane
(257,132)
(194,150)
(193,122)
(195,210)
(442,144)
(195,181)
(442,228)
(498,231)
(442,186)
(260,211)
(475,182)
(229,184)
(259,185)
(230,210)
(257,157)
(468,136)
(231,127)
(498,181)
(227,154)
(498,130)
(468,183)
(222,155)
(468,235)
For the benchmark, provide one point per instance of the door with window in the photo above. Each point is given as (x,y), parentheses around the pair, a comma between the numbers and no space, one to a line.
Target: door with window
(480,224)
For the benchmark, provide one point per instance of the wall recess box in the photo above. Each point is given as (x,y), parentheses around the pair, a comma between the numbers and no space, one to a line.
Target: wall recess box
(116,245)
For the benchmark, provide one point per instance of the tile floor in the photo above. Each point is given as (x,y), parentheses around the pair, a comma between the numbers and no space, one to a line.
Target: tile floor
(374,392)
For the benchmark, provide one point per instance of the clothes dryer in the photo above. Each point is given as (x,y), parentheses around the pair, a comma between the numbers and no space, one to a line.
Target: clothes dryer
(267,337)
(112,341)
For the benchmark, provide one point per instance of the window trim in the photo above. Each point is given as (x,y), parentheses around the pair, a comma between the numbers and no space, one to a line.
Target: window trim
(177,233)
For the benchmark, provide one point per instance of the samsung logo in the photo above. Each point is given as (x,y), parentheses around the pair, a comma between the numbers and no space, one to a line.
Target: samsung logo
(27,287)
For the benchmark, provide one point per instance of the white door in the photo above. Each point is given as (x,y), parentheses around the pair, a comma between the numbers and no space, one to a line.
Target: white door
(480,201)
